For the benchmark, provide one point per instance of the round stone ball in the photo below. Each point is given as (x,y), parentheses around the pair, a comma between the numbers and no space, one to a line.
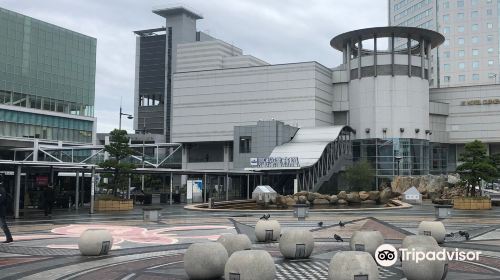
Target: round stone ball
(345,265)
(425,269)
(296,244)
(367,241)
(95,242)
(419,240)
(235,242)
(250,265)
(205,260)
(432,228)
(267,230)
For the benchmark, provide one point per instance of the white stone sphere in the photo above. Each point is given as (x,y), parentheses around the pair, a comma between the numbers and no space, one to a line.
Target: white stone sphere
(346,264)
(95,242)
(251,265)
(296,244)
(205,260)
(235,242)
(425,269)
(419,240)
(367,241)
(432,228)
(264,226)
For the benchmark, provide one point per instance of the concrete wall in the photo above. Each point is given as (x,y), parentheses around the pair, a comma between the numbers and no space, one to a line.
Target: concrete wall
(207,105)
(467,121)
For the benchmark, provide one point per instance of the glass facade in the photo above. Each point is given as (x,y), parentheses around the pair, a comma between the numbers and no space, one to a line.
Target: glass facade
(383,154)
(49,68)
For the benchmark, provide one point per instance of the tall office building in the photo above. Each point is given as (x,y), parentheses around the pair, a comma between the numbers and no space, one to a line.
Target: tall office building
(47,83)
(470,54)
(156,60)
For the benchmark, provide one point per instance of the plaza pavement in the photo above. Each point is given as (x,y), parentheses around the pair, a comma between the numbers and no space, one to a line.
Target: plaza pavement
(46,248)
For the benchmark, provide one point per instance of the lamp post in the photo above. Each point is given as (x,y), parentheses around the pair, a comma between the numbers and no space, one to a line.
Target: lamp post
(493,75)
(398,159)
(129,116)
(143,150)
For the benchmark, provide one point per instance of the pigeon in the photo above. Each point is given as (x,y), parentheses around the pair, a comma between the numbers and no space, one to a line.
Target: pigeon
(263,217)
(268,216)
(320,224)
(466,236)
(338,238)
(449,235)
(341,224)
(462,233)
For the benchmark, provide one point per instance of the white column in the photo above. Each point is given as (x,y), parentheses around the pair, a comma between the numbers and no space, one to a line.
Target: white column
(77,189)
(171,186)
(92,190)
(17,192)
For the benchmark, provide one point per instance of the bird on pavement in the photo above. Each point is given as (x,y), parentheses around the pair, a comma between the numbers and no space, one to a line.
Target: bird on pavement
(466,236)
(462,233)
(320,224)
(338,238)
(263,217)
(341,224)
(449,235)
(268,216)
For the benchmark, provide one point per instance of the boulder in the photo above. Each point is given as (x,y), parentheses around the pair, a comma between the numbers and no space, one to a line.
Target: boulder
(296,244)
(366,240)
(349,264)
(334,199)
(95,242)
(302,199)
(424,269)
(435,229)
(364,195)
(353,197)
(374,195)
(341,202)
(267,230)
(321,201)
(303,193)
(235,242)
(250,264)
(453,179)
(385,195)
(311,197)
(290,201)
(280,201)
(342,195)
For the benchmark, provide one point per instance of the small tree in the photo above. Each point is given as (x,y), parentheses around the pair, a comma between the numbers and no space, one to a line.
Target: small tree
(118,150)
(360,175)
(476,166)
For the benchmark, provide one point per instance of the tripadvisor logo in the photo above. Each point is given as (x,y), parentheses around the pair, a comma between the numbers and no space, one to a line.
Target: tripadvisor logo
(387,255)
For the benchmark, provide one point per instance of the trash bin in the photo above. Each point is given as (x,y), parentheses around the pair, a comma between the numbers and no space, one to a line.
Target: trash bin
(151,214)
(300,211)
(443,211)
(148,199)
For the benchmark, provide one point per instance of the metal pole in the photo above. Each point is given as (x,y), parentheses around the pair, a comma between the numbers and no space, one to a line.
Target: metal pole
(227,186)
(129,186)
(92,190)
(205,185)
(171,183)
(77,190)
(120,123)
(248,186)
(17,192)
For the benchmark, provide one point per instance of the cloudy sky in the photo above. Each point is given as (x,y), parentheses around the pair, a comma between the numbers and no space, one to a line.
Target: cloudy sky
(277,31)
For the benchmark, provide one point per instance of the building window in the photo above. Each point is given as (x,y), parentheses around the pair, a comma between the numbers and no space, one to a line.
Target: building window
(474,14)
(475,77)
(475,27)
(489,12)
(461,29)
(475,64)
(446,67)
(461,41)
(475,40)
(460,3)
(446,54)
(447,79)
(475,52)
(488,1)
(461,65)
(490,62)
(489,38)
(473,2)
(446,4)
(489,25)
(446,18)
(245,144)
(461,78)
(446,43)
(490,50)
(446,30)
(461,53)
(460,15)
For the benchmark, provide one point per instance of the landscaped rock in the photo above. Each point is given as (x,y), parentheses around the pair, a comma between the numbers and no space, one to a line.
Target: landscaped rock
(374,195)
(342,195)
(353,197)
(369,202)
(385,195)
(321,201)
(364,195)
(280,201)
(341,202)
(290,201)
(302,199)
(334,199)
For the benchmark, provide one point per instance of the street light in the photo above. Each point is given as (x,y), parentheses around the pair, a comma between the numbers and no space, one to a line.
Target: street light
(398,159)
(129,116)
(493,75)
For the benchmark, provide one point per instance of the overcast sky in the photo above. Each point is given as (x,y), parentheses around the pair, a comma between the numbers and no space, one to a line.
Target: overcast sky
(277,31)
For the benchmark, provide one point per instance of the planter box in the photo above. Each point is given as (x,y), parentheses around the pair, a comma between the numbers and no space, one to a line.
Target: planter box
(113,205)
(470,203)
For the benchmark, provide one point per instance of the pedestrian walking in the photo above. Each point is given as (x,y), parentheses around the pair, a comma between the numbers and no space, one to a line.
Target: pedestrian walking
(48,200)
(3,212)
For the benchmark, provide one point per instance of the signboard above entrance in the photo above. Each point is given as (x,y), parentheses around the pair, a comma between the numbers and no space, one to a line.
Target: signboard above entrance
(275,162)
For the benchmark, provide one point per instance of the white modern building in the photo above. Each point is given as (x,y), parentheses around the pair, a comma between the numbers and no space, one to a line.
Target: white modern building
(470,53)
(300,124)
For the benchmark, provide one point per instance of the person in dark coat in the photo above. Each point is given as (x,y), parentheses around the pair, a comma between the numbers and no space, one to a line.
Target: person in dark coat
(3,213)
(48,200)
